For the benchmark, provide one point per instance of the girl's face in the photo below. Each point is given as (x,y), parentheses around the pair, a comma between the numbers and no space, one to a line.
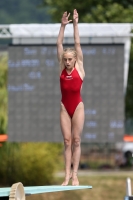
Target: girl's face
(69,61)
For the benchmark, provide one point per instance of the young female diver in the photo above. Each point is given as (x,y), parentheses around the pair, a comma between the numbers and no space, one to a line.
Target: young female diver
(72,108)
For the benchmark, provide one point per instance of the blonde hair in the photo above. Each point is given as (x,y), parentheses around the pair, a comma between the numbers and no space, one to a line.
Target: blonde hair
(67,50)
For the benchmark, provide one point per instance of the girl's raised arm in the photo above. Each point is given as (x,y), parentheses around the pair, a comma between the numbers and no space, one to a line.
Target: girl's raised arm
(64,22)
(77,42)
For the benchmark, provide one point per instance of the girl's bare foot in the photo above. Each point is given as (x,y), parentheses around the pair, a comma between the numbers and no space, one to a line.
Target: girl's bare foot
(66,181)
(75,180)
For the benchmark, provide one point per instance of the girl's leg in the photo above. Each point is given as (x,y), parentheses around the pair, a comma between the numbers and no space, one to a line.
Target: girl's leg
(65,122)
(77,127)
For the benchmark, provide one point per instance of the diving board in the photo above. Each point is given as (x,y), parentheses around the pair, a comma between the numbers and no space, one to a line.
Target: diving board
(17,191)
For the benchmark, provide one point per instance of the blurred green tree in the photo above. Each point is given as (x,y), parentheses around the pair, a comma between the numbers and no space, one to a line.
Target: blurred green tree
(129,97)
(96,11)
(3,92)
(29,163)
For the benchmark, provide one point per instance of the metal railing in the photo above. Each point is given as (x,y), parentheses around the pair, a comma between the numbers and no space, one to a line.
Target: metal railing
(128,190)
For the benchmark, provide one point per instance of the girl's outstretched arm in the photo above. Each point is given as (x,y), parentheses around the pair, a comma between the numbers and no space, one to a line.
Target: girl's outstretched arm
(77,42)
(64,22)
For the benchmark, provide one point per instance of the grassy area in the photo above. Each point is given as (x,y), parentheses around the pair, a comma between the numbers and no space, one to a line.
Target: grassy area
(105,187)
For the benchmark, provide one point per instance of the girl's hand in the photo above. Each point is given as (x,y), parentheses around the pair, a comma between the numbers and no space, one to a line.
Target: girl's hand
(64,19)
(75,16)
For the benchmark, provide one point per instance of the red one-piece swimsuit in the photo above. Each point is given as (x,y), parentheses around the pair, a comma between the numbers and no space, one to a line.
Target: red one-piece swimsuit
(70,85)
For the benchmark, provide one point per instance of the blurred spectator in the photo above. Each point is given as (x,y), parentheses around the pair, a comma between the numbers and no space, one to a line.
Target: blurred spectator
(120,160)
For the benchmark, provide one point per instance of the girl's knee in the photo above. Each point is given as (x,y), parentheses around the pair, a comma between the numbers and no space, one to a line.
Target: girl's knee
(67,142)
(76,142)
